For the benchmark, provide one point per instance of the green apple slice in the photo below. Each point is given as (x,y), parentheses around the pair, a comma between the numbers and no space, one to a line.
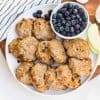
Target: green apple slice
(94,37)
(92,48)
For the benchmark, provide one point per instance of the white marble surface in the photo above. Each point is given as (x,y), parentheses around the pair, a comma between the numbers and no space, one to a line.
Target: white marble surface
(11,90)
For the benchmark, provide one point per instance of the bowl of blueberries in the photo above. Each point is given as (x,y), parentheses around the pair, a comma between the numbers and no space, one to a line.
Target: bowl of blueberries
(69,20)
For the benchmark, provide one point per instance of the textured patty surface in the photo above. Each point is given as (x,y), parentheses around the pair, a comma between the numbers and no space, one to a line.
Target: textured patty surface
(81,67)
(42,29)
(77,48)
(57,51)
(23,73)
(24,28)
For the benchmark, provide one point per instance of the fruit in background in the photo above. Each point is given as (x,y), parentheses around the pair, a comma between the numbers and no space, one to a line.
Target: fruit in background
(82,1)
(94,38)
(98,14)
(92,48)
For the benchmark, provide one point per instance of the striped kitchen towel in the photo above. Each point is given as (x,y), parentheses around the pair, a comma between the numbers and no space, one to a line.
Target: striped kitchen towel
(11,9)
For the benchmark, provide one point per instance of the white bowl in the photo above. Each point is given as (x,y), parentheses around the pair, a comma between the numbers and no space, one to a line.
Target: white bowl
(60,6)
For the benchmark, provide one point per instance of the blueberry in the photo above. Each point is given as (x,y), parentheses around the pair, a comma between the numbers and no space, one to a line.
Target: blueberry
(70,6)
(65,6)
(39,12)
(70,11)
(80,10)
(64,33)
(54,21)
(72,29)
(18,61)
(55,25)
(63,19)
(73,34)
(57,29)
(54,16)
(34,14)
(46,16)
(80,19)
(66,13)
(84,18)
(68,18)
(75,11)
(81,29)
(49,12)
(59,11)
(77,31)
(61,28)
(77,26)
(67,29)
(83,24)
(68,23)
(68,34)
(76,7)
(58,20)
(38,15)
(59,24)
(78,16)
(63,22)
(63,10)
(59,15)
(73,16)
(73,22)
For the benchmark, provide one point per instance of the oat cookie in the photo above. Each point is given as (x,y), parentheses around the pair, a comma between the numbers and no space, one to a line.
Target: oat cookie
(77,48)
(80,67)
(13,47)
(75,82)
(43,53)
(64,74)
(57,51)
(24,28)
(23,72)
(38,72)
(42,29)
(27,48)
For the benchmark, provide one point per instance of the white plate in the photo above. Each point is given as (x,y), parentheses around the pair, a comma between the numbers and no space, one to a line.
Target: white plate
(12,61)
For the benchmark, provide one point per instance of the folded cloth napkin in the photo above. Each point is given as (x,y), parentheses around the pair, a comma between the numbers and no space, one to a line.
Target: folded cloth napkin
(11,9)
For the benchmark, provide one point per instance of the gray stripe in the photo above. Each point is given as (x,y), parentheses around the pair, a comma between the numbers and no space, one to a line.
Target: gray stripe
(4,5)
(46,1)
(9,12)
(8,8)
(40,2)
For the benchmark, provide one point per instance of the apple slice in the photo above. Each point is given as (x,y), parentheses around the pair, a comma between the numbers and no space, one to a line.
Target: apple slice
(94,37)
(92,48)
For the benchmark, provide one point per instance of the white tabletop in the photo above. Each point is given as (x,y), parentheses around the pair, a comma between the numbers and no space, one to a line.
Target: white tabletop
(11,90)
